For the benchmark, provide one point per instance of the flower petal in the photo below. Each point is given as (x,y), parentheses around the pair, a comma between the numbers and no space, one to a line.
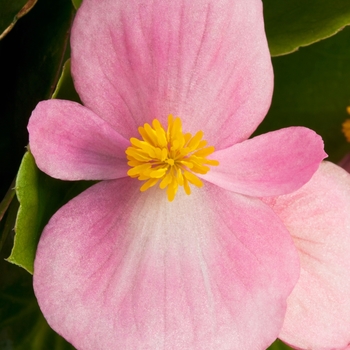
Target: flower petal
(120,269)
(70,142)
(318,217)
(206,61)
(271,164)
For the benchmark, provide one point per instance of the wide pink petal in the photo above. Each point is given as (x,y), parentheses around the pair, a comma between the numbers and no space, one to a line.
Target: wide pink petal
(318,217)
(120,269)
(272,164)
(70,142)
(206,61)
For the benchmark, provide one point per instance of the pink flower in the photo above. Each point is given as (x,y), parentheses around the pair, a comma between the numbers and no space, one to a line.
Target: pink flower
(117,268)
(317,216)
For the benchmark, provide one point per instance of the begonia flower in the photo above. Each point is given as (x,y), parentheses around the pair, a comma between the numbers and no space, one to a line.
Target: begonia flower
(317,216)
(205,264)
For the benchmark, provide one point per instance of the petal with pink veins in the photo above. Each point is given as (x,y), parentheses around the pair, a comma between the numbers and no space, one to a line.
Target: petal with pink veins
(120,269)
(70,142)
(205,61)
(318,218)
(270,164)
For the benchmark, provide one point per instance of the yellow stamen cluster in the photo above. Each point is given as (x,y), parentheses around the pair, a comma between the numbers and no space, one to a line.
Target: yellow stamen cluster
(346,126)
(168,156)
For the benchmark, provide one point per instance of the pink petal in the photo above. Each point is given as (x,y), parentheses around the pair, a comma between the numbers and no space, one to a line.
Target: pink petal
(272,164)
(318,217)
(203,60)
(120,269)
(70,142)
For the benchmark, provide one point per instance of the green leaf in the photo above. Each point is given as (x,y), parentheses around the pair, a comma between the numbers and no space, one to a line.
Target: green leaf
(292,24)
(278,345)
(77,3)
(65,87)
(40,196)
(11,11)
(312,89)
(31,60)
(27,226)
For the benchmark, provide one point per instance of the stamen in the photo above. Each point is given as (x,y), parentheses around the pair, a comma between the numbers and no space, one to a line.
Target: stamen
(169,157)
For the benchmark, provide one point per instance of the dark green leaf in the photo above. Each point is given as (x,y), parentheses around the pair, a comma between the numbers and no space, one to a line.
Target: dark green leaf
(312,89)
(65,88)
(294,23)
(77,3)
(11,11)
(278,345)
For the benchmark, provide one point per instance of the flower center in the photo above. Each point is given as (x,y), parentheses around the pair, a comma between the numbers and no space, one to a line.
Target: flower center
(168,156)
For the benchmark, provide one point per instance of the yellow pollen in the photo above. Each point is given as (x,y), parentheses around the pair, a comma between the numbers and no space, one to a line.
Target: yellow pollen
(346,126)
(169,157)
